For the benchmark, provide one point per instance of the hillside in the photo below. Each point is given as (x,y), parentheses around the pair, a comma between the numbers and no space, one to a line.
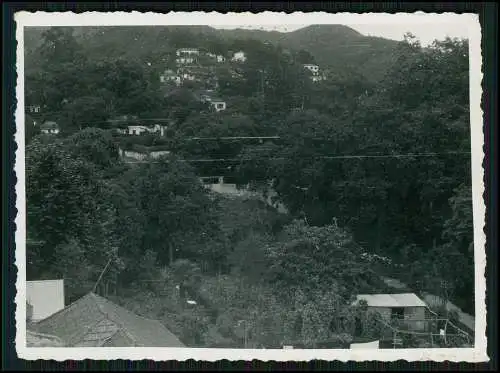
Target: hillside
(335,47)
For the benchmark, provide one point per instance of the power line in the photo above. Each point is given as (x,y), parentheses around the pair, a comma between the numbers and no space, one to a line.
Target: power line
(233,138)
(381,156)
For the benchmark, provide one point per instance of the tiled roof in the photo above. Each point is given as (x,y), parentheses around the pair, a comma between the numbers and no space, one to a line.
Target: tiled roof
(391,300)
(42,340)
(93,320)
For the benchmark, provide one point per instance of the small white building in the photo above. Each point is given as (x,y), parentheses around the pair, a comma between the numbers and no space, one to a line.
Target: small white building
(49,127)
(219,58)
(137,130)
(140,129)
(239,57)
(218,104)
(184,60)
(158,128)
(170,76)
(34,109)
(312,68)
(187,52)
(45,297)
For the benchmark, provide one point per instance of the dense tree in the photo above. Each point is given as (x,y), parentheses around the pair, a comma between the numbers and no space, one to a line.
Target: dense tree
(382,162)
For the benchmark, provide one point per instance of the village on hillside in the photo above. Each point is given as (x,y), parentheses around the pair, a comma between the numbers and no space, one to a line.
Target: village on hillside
(246,197)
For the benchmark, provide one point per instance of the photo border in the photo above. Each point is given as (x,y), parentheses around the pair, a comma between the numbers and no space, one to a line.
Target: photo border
(10,195)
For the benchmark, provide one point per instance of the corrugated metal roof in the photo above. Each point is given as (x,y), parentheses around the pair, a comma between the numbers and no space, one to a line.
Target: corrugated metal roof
(391,300)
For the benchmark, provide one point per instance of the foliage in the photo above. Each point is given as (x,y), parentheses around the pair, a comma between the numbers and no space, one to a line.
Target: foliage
(345,166)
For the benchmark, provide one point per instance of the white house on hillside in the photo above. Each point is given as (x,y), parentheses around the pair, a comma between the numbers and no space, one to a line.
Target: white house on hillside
(139,129)
(312,68)
(34,109)
(184,60)
(170,76)
(187,52)
(218,104)
(239,56)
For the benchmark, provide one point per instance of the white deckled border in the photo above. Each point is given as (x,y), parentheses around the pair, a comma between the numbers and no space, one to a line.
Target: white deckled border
(469,21)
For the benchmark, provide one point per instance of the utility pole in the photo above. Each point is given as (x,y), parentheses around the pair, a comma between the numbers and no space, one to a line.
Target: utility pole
(100,276)
(244,332)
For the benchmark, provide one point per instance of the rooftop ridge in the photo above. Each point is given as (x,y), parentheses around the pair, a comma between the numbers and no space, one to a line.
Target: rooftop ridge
(120,322)
(69,306)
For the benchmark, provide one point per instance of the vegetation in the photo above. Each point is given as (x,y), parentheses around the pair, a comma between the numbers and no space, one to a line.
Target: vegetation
(377,166)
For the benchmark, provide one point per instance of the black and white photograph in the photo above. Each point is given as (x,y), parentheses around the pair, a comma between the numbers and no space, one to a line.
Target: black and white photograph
(210,186)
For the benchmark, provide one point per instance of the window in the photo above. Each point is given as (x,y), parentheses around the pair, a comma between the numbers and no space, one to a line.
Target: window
(398,313)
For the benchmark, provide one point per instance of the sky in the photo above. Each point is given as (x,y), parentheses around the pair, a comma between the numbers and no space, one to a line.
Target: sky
(426,33)
(425,26)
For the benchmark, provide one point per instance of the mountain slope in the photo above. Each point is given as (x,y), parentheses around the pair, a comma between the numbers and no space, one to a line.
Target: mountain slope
(335,47)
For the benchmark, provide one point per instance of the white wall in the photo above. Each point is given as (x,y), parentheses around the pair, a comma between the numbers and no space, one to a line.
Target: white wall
(46,297)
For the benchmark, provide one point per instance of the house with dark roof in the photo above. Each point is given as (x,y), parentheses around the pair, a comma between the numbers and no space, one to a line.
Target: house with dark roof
(94,321)
(49,127)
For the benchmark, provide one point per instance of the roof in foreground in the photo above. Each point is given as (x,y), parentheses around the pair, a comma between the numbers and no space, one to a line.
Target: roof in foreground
(92,321)
(391,300)
(34,339)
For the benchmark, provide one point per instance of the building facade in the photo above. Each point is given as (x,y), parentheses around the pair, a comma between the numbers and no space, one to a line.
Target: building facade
(405,310)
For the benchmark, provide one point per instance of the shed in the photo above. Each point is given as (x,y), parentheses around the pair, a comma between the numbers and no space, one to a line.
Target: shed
(94,321)
(406,307)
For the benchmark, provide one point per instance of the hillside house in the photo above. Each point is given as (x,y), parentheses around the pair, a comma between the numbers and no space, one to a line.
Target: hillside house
(218,104)
(184,60)
(94,321)
(49,127)
(187,52)
(409,310)
(137,130)
(44,298)
(140,129)
(33,109)
(239,57)
(312,68)
(170,76)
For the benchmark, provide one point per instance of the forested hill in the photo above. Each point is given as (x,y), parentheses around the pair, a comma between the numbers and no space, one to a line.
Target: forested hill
(362,167)
(335,47)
